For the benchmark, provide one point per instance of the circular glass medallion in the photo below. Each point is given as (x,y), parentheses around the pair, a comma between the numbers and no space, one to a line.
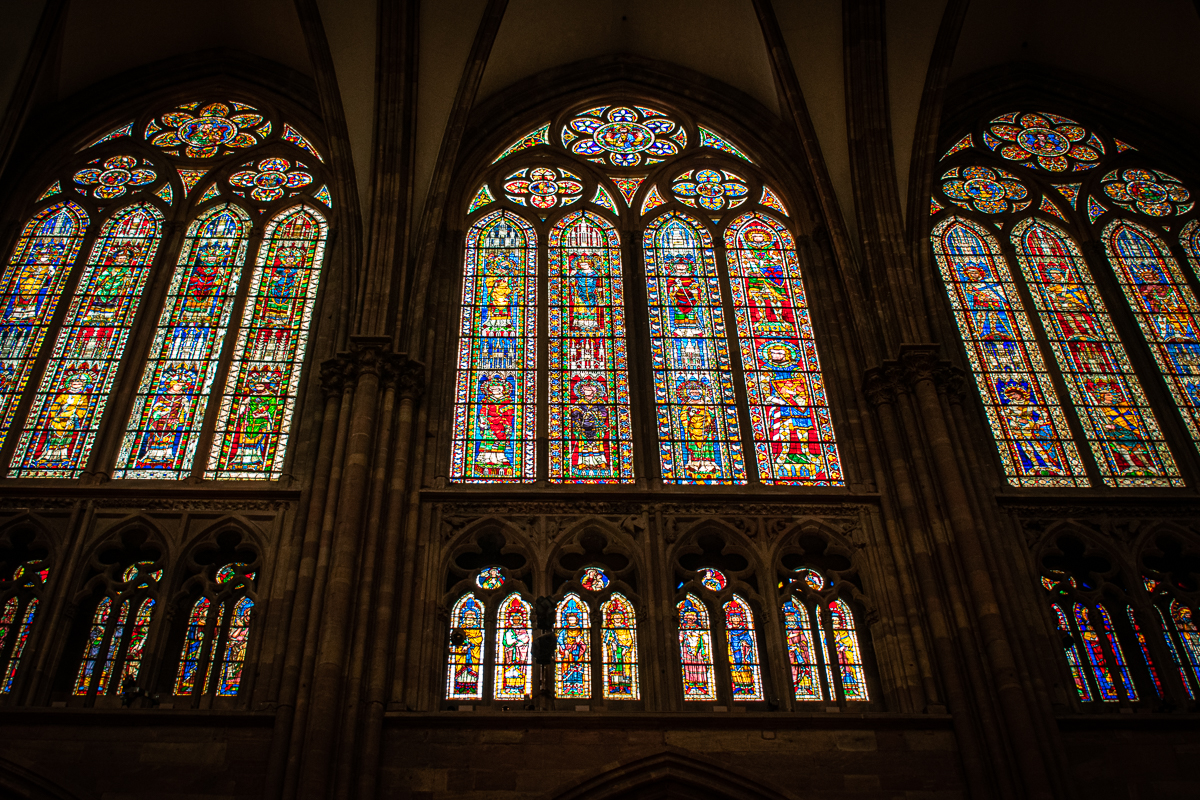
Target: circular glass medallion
(594,579)
(1146,192)
(1044,142)
(712,579)
(983,189)
(624,137)
(489,578)
(207,131)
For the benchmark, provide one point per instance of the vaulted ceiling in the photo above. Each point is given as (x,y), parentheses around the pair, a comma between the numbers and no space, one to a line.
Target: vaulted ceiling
(1149,52)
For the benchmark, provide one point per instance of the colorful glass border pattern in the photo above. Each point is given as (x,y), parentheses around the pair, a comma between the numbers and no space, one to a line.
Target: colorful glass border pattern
(495,398)
(789,409)
(1022,406)
(591,437)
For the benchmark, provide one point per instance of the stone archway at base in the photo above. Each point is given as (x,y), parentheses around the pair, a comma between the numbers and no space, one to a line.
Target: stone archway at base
(669,776)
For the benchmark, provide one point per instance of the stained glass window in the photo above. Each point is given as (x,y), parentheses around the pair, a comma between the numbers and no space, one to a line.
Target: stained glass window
(619,649)
(1110,633)
(591,439)
(1095,654)
(193,644)
(30,288)
(464,679)
(137,641)
(745,665)
(1144,647)
(252,428)
(1022,406)
(573,652)
(823,640)
(1072,654)
(514,653)
(15,626)
(168,412)
(789,411)
(695,650)
(1117,421)
(237,636)
(1189,635)
(849,654)
(802,655)
(1183,676)
(495,395)
(1165,307)
(62,424)
(93,649)
(698,431)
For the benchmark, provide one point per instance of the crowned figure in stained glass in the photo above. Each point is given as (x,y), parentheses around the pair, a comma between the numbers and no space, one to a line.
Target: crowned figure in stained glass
(589,427)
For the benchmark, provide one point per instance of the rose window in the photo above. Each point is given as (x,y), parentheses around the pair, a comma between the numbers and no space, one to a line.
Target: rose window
(1154,193)
(990,191)
(709,189)
(270,179)
(623,136)
(203,133)
(543,187)
(1045,141)
(119,173)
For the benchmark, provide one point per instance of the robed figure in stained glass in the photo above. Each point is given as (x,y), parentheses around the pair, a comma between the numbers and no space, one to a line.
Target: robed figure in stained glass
(495,425)
(795,441)
(167,417)
(65,417)
(32,283)
(743,651)
(1122,426)
(255,421)
(695,650)
(683,291)
(700,431)
(1033,435)
(587,294)
(589,428)
(766,285)
(1167,310)
(987,303)
(499,272)
(620,649)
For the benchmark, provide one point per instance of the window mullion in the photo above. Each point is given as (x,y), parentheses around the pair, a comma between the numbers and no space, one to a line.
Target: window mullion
(647,468)
(542,470)
(200,462)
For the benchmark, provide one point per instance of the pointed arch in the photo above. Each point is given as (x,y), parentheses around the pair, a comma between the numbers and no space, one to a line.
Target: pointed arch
(1118,422)
(193,644)
(464,678)
(573,648)
(745,664)
(1189,635)
(696,650)
(618,635)
(164,427)
(1110,634)
(1144,649)
(1023,409)
(1165,307)
(789,408)
(255,418)
(15,625)
(591,438)
(1095,654)
(698,431)
(495,397)
(849,652)
(62,424)
(670,774)
(1071,652)
(237,637)
(514,649)
(30,289)
(802,655)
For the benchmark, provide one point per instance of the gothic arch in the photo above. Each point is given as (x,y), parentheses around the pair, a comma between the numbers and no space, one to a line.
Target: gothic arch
(669,774)
(22,783)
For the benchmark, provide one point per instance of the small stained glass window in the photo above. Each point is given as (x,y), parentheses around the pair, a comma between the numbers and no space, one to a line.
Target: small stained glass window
(464,678)
(696,650)
(514,652)
(572,655)
(489,578)
(619,649)
(594,579)
(745,667)
(802,654)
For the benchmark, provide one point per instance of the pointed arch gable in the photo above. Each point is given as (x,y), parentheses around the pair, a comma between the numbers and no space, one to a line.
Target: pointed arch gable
(672,768)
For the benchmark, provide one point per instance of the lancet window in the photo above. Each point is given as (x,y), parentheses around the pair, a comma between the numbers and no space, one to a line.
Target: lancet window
(737,392)
(825,657)
(1066,404)
(20,595)
(112,342)
(115,641)
(216,635)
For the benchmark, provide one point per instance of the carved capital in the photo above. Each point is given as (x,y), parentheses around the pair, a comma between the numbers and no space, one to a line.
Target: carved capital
(951,381)
(369,354)
(410,378)
(333,375)
(878,386)
(920,361)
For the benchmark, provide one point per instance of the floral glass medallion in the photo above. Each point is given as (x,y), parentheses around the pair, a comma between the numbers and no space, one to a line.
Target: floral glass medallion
(623,136)
(710,189)
(543,187)
(991,191)
(114,177)
(269,179)
(1154,193)
(1044,141)
(202,132)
